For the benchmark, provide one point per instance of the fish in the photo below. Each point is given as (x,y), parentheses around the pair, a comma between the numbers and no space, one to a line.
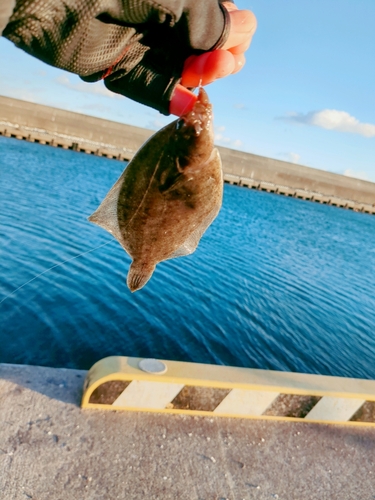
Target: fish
(168,195)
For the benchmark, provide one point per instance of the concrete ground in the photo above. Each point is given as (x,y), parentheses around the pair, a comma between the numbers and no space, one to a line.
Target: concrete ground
(50,449)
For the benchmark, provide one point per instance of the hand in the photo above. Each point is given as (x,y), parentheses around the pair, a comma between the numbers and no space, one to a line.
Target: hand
(210,66)
(140,48)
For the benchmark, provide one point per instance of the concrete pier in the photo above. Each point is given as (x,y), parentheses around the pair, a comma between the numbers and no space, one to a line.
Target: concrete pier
(86,134)
(51,449)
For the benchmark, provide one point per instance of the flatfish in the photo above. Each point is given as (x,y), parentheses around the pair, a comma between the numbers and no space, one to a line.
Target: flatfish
(168,194)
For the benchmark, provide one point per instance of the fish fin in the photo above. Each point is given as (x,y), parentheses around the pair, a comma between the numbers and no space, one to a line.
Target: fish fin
(190,245)
(214,156)
(169,182)
(105,215)
(138,276)
(187,248)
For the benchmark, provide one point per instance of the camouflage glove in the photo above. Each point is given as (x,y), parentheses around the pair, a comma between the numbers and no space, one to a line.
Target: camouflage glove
(137,47)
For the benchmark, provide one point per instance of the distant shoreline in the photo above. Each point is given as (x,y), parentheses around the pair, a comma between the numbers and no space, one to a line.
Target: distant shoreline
(59,128)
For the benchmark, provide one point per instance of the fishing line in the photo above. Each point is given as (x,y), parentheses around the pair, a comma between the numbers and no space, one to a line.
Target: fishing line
(192,89)
(53,267)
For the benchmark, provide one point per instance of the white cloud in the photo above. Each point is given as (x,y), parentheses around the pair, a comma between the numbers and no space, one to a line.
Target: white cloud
(239,105)
(359,174)
(220,138)
(18,93)
(223,140)
(154,124)
(97,88)
(94,106)
(291,157)
(332,119)
(159,121)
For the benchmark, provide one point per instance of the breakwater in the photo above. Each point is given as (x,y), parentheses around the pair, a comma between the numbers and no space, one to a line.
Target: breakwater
(86,134)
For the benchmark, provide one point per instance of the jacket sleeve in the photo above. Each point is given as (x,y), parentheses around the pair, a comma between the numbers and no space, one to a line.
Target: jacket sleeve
(137,46)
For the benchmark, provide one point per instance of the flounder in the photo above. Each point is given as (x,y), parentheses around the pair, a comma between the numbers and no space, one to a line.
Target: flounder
(168,194)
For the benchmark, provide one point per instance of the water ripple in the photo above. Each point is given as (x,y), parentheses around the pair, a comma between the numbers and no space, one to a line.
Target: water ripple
(275,283)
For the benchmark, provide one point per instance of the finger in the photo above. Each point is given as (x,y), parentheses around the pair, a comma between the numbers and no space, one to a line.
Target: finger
(242,28)
(182,101)
(240,49)
(207,68)
(193,70)
(239,63)
(219,64)
(230,6)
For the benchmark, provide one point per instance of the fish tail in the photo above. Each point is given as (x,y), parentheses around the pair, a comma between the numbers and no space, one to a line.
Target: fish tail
(138,275)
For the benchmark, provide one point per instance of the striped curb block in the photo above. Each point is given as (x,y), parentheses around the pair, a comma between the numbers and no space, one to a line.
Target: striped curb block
(137,384)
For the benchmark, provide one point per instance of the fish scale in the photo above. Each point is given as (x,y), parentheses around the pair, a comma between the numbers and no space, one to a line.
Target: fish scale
(167,196)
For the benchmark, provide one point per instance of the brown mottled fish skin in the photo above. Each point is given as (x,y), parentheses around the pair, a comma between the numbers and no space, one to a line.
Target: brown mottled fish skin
(168,195)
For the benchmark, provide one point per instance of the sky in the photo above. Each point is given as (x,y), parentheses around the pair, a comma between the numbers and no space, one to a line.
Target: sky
(306,94)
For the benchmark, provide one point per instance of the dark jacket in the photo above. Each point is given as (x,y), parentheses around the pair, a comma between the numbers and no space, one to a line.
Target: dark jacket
(137,46)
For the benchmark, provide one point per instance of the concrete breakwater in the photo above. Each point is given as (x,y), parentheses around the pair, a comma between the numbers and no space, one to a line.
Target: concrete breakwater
(86,134)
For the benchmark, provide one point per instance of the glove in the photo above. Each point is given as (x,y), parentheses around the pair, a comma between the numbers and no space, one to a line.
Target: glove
(137,46)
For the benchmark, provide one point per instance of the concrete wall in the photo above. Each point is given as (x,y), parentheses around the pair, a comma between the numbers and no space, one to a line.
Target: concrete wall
(58,121)
(65,129)
(295,176)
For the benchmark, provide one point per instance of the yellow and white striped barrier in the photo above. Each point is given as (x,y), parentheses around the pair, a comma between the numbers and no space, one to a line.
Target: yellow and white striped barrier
(136,384)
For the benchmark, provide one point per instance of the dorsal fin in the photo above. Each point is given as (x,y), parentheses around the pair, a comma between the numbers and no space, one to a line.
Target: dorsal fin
(105,215)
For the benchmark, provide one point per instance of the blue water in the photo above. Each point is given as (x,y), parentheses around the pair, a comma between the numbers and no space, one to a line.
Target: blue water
(275,283)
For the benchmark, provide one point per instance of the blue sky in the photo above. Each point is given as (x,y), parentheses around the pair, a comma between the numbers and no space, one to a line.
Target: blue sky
(306,93)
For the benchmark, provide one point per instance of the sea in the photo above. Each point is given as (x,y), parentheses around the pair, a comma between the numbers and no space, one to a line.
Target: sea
(276,282)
